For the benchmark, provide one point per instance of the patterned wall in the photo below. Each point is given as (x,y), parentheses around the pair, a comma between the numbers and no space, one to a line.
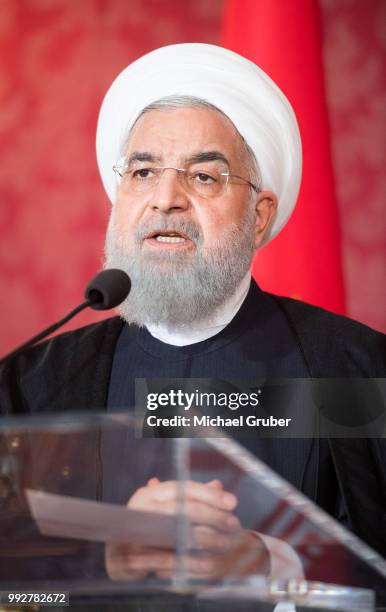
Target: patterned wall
(57,58)
(354,54)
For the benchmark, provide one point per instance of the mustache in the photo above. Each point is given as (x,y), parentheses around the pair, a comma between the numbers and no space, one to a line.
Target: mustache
(167,224)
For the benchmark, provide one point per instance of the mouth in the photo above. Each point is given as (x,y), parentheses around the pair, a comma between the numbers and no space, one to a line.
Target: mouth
(168,239)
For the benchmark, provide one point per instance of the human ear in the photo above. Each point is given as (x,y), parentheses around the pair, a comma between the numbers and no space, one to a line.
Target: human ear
(266,207)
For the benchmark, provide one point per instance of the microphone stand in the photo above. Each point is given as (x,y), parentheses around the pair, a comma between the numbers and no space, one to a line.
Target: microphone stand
(49,330)
(106,290)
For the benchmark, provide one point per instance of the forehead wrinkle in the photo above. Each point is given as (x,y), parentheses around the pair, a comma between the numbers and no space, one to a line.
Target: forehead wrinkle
(239,145)
(238,153)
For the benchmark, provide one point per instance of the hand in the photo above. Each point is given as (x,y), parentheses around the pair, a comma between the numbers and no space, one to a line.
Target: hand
(224,548)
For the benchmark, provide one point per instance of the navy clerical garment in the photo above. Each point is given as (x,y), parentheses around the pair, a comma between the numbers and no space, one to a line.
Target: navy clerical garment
(256,346)
(92,369)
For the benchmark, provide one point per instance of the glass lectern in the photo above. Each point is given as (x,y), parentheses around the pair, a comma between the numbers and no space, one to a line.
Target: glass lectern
(72,521)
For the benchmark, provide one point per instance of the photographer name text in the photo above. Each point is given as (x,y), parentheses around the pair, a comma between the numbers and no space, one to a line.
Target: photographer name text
(217,421)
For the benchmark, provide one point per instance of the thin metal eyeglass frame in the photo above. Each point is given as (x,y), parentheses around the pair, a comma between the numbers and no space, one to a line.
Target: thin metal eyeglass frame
(117,169)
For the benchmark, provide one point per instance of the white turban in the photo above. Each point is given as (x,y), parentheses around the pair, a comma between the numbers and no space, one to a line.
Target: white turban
(240,89)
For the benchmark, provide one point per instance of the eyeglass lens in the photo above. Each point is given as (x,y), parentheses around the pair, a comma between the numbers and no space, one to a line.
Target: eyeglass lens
(206,182)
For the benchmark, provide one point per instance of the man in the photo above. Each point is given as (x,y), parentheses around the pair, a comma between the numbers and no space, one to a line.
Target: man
(207,154)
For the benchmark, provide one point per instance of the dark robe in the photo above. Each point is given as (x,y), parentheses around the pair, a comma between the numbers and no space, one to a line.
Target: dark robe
(73,372)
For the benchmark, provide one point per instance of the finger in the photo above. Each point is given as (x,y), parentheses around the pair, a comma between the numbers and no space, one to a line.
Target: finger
(150,561)
(216,484)
(131,561)
(211,540)
(214,496)
(194,566)
(153,481)
(115,563)
(165,565)
(203,514)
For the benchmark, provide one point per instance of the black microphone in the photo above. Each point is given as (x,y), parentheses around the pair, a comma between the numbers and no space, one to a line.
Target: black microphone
(106,290)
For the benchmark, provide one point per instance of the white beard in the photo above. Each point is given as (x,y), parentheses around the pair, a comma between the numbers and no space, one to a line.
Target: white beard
(177,288)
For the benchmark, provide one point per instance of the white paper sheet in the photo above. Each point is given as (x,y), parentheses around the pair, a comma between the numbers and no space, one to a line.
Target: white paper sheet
(71,517)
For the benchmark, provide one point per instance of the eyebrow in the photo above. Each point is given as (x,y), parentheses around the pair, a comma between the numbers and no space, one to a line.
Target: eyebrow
(206,156)
(196,158)
(142,156)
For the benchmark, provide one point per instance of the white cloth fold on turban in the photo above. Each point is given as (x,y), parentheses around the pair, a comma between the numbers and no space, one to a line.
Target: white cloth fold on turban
(240,89)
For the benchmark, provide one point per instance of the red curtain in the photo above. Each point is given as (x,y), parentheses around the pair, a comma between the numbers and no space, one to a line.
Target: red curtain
(284,39)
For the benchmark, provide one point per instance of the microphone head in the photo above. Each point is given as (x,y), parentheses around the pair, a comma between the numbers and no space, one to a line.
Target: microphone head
(108,289)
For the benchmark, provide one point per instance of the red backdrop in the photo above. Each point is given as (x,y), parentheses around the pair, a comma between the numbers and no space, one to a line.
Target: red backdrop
(57,58)
(305,260)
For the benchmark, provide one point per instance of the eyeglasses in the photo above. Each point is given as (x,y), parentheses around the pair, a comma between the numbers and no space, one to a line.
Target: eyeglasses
(205,182)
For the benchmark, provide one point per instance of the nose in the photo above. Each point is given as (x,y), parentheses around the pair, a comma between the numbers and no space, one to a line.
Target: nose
(169,195)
